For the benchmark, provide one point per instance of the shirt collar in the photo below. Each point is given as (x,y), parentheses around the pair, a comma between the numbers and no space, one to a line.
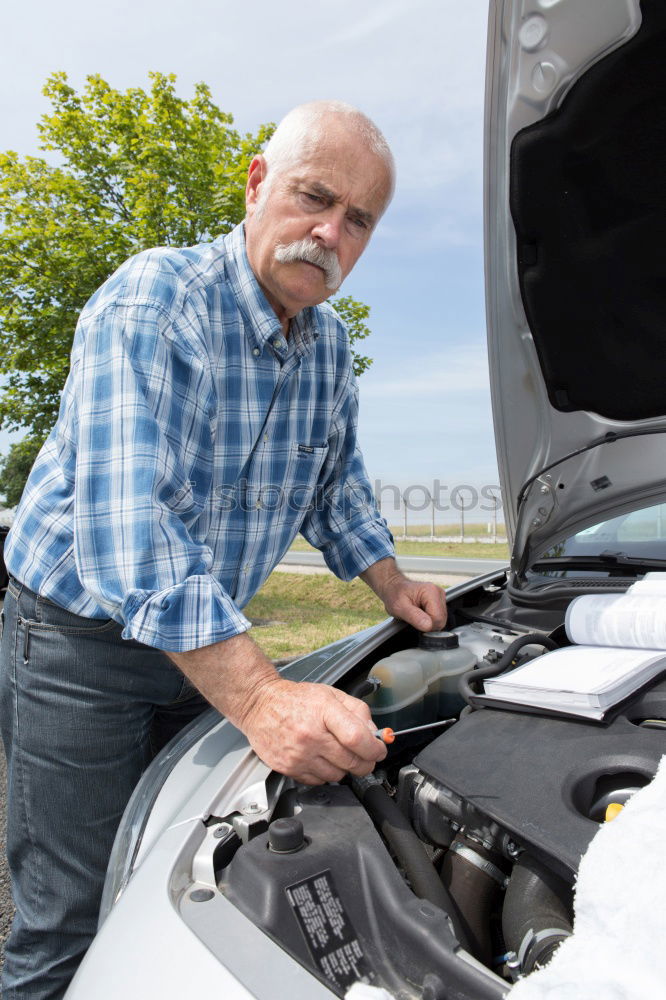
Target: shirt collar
(261,324)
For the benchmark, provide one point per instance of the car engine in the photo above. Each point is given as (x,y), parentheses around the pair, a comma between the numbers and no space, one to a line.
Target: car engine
(449,872)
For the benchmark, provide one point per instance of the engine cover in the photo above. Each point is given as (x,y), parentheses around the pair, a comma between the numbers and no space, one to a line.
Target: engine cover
(339,905)
(539,777)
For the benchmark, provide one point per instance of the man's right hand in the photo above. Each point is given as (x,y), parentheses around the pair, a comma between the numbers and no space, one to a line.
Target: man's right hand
(311,732)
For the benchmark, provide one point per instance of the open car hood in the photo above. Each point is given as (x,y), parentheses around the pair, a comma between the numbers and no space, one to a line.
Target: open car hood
(576,299)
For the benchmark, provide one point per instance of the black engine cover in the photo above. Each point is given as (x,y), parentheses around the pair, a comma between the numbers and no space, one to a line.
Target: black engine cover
(340,906)
(538,776)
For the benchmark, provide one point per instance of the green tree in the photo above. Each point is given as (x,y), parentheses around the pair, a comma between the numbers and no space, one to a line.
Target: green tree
(14,469)
(131,170)
(353,313)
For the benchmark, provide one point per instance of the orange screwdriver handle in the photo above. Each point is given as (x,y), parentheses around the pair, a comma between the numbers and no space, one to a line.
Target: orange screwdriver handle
(385,735)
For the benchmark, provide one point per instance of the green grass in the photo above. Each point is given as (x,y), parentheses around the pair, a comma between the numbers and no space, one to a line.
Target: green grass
(472,529)
(454,550)
(310,611)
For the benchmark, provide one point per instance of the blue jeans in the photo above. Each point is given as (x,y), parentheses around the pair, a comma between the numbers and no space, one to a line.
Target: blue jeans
(82,713)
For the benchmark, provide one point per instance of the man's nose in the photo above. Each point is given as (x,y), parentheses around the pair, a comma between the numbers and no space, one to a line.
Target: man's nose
(327,230)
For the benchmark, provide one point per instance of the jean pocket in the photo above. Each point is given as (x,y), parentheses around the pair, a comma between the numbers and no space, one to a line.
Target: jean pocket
(50,618)
(86,627)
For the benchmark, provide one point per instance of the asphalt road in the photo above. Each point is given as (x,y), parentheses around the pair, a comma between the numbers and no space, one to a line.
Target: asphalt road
(413,564)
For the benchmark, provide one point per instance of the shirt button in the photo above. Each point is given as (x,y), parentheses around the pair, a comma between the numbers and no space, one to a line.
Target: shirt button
(256,352)
(258,505)
(246,568)
(277,342)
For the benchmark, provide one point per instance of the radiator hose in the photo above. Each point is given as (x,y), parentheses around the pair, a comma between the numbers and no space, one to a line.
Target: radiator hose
(409,850)
(466,685)
(537,915)
(475,877)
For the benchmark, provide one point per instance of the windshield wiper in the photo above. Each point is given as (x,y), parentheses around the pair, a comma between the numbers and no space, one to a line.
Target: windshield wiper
(604,560)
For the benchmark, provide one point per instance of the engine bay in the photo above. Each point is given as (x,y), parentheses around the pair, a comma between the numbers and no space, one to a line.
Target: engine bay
(450,871)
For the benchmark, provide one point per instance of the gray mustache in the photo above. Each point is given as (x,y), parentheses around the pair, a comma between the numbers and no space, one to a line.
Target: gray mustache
(309,251)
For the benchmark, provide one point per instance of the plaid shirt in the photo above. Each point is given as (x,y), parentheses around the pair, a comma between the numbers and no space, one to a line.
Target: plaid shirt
(193,443)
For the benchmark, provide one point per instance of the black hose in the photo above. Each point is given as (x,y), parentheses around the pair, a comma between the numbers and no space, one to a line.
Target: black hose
(363,687)
(536,916)
(475,877)
(472,677)
(410,852)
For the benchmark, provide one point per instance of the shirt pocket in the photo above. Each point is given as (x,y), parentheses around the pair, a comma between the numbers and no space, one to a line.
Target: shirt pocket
(305,465)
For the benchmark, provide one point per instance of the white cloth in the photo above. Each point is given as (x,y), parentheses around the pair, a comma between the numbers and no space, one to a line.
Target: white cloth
(617,949)
(361,991)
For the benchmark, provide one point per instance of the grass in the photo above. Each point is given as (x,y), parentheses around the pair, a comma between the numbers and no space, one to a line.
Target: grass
(454,550)
(472,529)
(309,611)
(295,613)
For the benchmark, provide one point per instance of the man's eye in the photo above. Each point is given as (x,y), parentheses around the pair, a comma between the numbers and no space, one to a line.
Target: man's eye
(357,224)
(312,199)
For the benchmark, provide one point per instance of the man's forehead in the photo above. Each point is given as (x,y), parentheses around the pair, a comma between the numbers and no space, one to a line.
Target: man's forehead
(362,206)
(364,179)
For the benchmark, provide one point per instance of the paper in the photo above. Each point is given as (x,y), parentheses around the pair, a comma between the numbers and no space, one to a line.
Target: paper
(619,646)
(578,678)
(618,620)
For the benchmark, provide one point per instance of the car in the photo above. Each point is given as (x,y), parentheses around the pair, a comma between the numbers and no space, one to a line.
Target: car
(451,871)
(4,578)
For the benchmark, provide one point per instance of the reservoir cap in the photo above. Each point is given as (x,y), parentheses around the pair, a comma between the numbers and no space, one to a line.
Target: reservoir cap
(438,640)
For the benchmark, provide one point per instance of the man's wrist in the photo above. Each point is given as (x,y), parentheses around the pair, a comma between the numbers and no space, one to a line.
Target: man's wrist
(381,575)
(231,675)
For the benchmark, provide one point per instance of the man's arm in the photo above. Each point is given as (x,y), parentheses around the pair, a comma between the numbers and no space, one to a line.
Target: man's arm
(311,732)
(422,605)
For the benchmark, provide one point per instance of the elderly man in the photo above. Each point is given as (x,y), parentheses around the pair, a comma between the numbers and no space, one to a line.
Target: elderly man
(209,415)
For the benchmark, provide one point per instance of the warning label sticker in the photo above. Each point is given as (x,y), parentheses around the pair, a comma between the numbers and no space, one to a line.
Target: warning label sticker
(328,930)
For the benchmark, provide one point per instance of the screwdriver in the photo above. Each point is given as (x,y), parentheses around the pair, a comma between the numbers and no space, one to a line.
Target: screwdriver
(388,735)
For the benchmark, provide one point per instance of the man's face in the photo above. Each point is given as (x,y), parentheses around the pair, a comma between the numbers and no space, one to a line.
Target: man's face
(332,197)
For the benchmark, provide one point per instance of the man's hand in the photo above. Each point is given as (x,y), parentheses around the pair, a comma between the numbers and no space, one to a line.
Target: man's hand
(422,605)
(310,732)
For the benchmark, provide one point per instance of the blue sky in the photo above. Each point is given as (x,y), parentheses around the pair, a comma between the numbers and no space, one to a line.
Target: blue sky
(417,68)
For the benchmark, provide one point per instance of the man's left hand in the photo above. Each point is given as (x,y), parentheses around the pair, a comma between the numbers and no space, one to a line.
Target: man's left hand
(422,605)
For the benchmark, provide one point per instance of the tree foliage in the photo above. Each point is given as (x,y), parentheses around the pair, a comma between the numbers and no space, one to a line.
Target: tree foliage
(14,469)
(130,170)
(353,314)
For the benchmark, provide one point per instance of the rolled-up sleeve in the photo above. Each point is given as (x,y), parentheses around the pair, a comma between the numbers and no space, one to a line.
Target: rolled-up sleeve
(144,455)
(344,523)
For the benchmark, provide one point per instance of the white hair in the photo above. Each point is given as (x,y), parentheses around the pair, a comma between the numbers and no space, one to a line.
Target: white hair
(302,129)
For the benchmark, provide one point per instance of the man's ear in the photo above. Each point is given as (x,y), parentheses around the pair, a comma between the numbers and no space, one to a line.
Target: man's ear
(256,176)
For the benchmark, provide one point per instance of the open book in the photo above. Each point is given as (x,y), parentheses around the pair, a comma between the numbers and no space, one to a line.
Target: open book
(620,646)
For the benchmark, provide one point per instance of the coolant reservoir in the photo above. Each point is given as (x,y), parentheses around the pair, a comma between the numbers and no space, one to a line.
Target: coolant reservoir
(420,685)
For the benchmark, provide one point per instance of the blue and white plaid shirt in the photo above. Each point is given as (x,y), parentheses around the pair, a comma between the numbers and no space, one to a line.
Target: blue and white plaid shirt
(192,445)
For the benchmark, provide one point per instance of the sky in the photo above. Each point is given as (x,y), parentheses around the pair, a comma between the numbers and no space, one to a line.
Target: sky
(417,68)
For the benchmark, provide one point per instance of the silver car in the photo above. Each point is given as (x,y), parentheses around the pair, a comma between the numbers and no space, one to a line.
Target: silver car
(451,872)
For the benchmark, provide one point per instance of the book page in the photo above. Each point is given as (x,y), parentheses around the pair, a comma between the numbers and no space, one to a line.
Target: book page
(618,620)
(575,670)
(656,588)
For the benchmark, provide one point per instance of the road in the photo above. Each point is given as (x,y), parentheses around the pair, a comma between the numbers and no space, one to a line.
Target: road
(412,564)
